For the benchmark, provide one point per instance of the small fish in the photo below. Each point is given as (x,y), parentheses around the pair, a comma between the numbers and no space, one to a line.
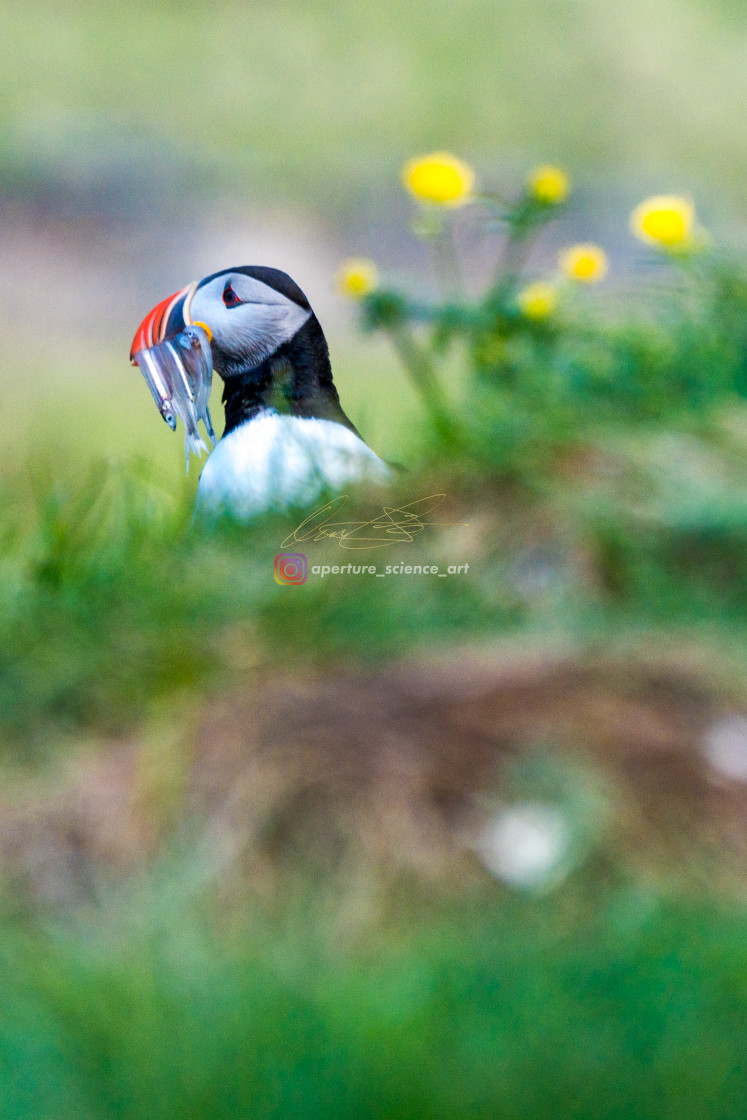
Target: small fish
(179,374)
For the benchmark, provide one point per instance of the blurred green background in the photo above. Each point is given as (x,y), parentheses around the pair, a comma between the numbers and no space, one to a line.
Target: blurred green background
(386,849)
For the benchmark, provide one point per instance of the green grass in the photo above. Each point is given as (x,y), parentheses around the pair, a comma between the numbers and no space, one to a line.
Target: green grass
(110,602)
(620,1004)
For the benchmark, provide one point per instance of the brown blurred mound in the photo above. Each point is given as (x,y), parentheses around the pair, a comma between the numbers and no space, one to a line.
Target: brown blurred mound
(390,774)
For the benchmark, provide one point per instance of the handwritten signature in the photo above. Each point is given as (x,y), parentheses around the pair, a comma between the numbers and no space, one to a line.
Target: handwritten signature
(394,525)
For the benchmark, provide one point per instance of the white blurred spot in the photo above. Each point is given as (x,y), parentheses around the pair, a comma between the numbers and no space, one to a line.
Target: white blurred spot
(525,845)
(725,748)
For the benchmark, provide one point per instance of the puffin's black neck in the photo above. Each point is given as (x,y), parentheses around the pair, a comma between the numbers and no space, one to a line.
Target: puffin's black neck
(296,379)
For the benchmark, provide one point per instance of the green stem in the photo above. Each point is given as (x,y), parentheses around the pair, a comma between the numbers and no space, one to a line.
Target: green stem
(423,376)
(444,259)
(516,249)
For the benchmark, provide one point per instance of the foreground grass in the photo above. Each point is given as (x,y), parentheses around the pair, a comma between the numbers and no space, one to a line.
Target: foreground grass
(605,1005)
(110,601)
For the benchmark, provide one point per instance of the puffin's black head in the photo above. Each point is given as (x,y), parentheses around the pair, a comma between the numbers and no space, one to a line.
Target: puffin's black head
(262,331)
(251,312)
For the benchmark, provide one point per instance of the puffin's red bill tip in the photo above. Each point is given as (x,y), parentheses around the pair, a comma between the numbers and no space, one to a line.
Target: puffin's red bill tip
(153,327)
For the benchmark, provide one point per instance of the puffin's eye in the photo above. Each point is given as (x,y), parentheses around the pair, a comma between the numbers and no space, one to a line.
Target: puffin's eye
(229,295)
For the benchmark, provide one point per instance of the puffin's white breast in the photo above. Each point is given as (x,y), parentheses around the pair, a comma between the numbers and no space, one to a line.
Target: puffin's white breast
(275,461)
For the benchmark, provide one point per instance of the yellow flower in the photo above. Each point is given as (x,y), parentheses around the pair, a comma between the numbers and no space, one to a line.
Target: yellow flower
(538,301)
(549,185)
(587,263)
(439,178)
(357,277)
(666,220)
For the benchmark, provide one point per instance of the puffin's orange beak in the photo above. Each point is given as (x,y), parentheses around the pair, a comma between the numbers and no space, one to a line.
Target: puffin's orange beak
(167,317)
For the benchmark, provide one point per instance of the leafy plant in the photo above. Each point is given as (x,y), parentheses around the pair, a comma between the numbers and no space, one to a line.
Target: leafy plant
(548,369)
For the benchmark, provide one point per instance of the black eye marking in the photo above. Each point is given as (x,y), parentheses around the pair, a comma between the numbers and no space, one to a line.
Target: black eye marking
(229,296)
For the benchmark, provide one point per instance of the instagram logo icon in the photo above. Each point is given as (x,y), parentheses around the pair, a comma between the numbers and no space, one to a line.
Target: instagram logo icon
(290,567)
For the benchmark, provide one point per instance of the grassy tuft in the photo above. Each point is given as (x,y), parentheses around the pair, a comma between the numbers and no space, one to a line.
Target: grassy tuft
(512,1008)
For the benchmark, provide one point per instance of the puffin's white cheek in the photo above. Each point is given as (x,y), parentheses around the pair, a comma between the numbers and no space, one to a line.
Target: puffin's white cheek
(277,321)
(260,327)
(266,319)
(251,331)
(254,326)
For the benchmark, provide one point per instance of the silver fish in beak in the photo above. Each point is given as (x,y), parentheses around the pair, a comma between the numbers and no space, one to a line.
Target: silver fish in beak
(174,356)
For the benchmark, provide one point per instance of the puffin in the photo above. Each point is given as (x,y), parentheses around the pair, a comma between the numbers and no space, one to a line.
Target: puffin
(287,439)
